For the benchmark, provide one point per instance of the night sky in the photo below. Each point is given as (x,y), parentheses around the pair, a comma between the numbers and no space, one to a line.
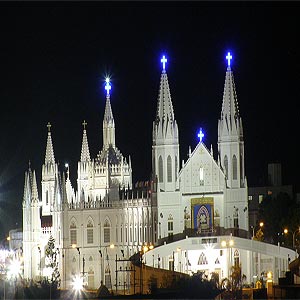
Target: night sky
(54,58)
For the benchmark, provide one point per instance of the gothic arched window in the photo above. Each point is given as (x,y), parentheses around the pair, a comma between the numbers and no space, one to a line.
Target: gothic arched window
(106,234)
(90,232)
(73,233)
(234,167)
(176,167)
(160,170)
(226,165)
(169,168)
(170,225)
(236,257)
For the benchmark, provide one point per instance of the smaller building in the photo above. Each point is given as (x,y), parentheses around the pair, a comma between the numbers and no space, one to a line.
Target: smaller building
(273,187)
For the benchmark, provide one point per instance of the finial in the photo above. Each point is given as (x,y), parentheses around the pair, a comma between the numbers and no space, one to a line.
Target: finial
(163,61)
(49,126)
(200,135)
(84,124)
(229,57)
(107,86)
(29,164)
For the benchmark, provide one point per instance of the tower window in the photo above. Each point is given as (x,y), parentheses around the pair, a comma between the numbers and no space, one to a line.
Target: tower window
(201,175)
(234,167)
(106,234)
(176,167)
(90,232)
(160,169)
(169,168)
(226,165)
(73,233)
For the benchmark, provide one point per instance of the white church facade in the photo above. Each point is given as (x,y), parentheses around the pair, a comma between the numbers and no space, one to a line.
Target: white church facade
(194,212)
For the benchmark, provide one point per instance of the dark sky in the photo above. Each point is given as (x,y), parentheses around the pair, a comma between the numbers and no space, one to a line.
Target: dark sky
(54,57)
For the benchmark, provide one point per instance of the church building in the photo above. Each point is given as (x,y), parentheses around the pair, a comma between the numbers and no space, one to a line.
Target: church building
(193,212)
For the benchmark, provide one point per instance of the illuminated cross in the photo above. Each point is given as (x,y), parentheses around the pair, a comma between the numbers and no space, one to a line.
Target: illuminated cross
(84,124)
(200,135)
(107,86)
(228,57)
(49,126)
(164,60)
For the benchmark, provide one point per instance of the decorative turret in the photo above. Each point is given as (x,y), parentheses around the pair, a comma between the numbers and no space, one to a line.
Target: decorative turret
(85,152)
(49,171)
(108,120)
(230,134)
(84,165)
(165,146)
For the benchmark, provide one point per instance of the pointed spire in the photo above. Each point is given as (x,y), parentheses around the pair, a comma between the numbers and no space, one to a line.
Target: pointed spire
(164,107)
(34,195)
(230,111)
(85,152)
(108,120)
(49,157)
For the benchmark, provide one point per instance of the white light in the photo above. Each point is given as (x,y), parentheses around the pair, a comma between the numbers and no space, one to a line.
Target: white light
(14,269)
(66,165)
(77,283)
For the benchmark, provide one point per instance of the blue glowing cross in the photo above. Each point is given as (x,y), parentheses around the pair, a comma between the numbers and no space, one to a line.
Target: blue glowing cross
(107,86)
(229,57)
(200,135)
(164,60)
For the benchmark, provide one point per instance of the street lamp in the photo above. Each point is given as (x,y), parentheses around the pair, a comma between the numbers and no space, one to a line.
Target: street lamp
(228,244)
(286,231)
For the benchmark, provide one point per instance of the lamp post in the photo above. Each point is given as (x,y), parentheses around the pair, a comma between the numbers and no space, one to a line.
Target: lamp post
(228,244)
(286,231)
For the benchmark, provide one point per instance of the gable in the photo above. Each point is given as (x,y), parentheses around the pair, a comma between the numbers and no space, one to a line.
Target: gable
(201,173)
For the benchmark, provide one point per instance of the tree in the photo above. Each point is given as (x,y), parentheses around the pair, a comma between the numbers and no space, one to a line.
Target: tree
(52,261)
(277,213)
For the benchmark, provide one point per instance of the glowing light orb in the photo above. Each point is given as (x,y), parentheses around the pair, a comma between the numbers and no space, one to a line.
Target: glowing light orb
(77,283)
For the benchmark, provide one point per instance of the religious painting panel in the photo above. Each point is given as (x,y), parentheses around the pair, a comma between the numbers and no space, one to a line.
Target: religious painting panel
(203,214)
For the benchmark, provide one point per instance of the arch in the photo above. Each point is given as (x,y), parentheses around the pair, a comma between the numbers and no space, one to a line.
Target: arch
(226,166)
(160,170)
(234,167)
(169,169)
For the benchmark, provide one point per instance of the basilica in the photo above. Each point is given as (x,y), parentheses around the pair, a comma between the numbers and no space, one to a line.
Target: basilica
(192,213)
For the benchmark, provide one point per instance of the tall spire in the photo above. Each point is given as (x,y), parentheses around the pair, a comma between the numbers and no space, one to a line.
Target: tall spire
(85,152)
(164,107)
(230,121)
(34,196)
(108,120)
(165,142)
(49,157)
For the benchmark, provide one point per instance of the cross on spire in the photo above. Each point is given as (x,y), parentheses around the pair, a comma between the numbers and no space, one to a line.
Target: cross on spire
(229,58)
(107,86)
(49,126)
(200,135)
(84,124)
(163,61)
